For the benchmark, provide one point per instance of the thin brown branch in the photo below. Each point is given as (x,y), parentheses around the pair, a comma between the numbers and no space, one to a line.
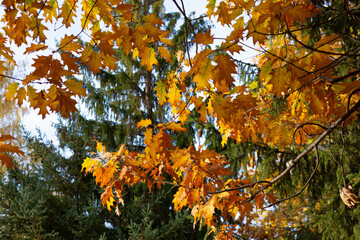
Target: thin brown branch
(82,29)
(187,22)
(305,186)
(239,188)
(317,141)
(307,150)
(321,51)
(340,162)
(339,79)
(13,78)
(68,16)
(301,126)
(349,97)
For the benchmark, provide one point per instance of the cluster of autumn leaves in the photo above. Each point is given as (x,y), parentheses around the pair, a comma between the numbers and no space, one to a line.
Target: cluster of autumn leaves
(289,69)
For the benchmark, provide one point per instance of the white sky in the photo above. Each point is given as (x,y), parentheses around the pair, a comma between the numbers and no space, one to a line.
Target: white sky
(33,121)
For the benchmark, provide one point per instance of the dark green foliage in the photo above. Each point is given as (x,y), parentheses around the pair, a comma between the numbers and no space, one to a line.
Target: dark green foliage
(49,197)
(116,101)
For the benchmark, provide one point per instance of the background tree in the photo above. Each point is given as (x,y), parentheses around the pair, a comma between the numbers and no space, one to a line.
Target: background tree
(11,113)
(10,120)
(117,101)
(49,198)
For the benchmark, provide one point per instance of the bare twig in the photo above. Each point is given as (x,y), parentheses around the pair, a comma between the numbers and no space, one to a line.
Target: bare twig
(306,184)
(305,152)
(187,22)
(301,126)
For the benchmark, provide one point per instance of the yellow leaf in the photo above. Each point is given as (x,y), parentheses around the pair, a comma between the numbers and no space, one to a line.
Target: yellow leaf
(31,92)
(100,148)
(177,127)
(180,56)
(11,91)
(204,74)
(135,53)
(161,92)
(148,58)
(165,54)
(174,94)
(143,123)
(179,158)
(90,164)
(210,7)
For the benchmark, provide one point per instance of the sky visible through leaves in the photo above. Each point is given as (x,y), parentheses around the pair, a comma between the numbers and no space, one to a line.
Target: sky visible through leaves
(33,121)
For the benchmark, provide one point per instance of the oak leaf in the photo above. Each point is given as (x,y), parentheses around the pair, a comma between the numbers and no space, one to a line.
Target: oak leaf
(204,38)
(75,87)
(161,92)
(7,148)
(11,90)
(148,58)
(223,14)
(35,48)
(143,123)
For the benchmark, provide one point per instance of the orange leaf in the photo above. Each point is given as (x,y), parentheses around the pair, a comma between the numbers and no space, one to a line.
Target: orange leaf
(35,47)
(165,54)
(6,149)
(223,13)
(6,137)
(94,62)
(174,94)
(64,103)
(226,67)
(67,13)
(21,95)
(177,127)
(70,44)
(143,123)
(75,87)
(42,103)
(204,38)
(148,58)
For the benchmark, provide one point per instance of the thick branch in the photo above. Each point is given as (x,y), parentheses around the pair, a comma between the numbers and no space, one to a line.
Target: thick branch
(316,142)
(302,154)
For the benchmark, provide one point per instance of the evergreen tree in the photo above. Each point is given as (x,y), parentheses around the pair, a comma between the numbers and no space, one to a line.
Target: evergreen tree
(49,197)
(117,102)
(69,200)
